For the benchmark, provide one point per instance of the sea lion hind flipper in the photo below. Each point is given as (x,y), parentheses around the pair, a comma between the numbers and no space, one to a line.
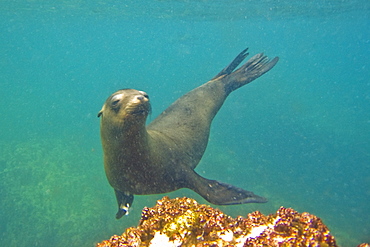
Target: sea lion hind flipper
(255,67)
(219,193)
(230,68)
(124,201)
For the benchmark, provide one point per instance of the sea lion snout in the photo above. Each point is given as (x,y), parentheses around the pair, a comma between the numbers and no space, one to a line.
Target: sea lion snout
(139,104)
(141,98)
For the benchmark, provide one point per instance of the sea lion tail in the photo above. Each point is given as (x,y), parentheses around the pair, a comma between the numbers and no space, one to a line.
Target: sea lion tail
(219,193)
(255,67)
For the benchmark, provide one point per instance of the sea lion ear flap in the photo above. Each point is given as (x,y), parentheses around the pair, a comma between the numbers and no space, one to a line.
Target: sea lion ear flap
(101,112)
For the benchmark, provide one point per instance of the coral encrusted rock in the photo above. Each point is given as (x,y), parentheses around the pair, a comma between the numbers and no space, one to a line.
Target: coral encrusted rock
(184,222)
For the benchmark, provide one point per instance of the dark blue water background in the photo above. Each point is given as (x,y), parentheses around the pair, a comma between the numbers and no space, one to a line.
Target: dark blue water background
(299,135)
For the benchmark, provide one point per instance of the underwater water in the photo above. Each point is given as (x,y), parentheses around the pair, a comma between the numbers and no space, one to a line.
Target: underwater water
(299,135)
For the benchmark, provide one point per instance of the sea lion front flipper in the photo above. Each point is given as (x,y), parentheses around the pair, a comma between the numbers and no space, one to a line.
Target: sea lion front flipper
(221,193)
(124,201)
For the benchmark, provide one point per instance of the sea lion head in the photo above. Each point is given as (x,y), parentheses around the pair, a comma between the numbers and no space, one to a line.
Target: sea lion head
(126,104)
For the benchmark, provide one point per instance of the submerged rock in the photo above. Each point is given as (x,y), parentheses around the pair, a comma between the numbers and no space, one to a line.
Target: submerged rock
(184,222)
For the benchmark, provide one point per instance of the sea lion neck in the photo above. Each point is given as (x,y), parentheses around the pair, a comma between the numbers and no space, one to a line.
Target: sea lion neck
(131,129)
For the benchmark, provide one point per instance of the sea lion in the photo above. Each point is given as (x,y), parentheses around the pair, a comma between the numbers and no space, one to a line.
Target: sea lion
(161,156)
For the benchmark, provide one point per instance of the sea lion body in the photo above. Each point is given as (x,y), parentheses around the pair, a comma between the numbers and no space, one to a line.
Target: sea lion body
(161,156)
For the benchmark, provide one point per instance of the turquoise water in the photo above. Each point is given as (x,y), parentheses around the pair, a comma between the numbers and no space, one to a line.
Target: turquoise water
(299,135)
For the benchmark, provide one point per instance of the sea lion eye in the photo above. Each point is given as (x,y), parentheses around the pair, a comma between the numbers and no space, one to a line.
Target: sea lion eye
(115,103)
(115,100)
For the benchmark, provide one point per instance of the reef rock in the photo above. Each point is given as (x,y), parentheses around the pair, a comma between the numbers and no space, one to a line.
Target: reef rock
(184,222)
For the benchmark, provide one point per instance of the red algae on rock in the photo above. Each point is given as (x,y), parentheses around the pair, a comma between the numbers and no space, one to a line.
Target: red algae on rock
(184,222)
